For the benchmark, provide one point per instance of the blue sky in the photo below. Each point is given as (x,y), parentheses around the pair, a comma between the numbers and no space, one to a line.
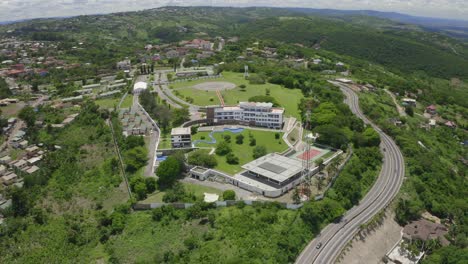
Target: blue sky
(21,9)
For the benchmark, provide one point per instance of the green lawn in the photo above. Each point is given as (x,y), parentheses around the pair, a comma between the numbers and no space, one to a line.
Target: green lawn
(198,190)
(288,98)
(244,151)
(113,102)
(165,143)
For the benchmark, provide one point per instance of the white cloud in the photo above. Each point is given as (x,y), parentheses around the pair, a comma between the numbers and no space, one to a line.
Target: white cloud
(20,9)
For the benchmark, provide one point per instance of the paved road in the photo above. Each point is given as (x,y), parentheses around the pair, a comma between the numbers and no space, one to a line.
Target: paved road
(335,236)
(160,80)
(154,138)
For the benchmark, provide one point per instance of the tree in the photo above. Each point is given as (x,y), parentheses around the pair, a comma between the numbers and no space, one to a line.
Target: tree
(295,196)
(168,172)
(409,111)
(136,158)
(193,130)
(133,142)
(253,142)
(28,115)
(20,202)
(332,135)
(120,75)
(232,159)
(223,148)
(227,138)
(319,163)
(4,89)
(140,190)
(201,158)
(259,151)
(277,135)
(229,195)
(151,185)
(369,138)
(180,116)
(240,139)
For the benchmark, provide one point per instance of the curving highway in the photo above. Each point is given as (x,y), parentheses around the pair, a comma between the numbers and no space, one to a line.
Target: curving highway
(335,236)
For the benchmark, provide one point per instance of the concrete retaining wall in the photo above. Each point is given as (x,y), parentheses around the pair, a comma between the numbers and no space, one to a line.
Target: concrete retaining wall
(141,206)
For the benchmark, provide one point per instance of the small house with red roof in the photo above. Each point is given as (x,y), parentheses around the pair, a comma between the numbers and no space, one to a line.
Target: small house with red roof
(450,124)
(432,110)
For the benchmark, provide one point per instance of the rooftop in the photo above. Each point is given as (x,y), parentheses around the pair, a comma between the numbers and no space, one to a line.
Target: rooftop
(255,104)
(140,85)
(275,167)
(180,131)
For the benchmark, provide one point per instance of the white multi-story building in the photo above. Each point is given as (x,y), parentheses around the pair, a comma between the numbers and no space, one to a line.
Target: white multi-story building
(181,137)
(254,114)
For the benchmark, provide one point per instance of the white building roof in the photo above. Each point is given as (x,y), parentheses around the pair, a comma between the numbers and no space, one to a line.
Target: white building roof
(275,167)
(180,131)
(255,104)
(140,86)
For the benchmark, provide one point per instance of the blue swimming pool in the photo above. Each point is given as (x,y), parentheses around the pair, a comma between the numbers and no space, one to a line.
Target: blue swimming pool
(213,139)
(161,158)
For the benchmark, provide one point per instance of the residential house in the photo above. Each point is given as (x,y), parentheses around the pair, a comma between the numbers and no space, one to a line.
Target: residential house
(409,102)
(450,124)
(9,179)
(432,110)
(425,230)
(172,54)
(124,65)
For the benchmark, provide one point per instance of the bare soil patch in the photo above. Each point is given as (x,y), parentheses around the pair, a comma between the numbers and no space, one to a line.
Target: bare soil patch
(213,86)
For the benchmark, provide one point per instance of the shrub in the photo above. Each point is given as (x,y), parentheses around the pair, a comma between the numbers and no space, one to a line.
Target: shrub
(201,158)
(229,195)
(259,151)
(277,135)
(253,142)
(240,139)
(223,148)
(232,159)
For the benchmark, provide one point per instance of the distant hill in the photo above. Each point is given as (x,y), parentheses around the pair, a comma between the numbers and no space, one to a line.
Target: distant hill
(401,47)
(452,27)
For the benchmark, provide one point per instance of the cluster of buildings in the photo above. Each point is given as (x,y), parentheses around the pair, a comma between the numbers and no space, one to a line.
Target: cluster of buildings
(200,48)
(248,113)
(27,164)
(107,87)
(22,59)
(133,122)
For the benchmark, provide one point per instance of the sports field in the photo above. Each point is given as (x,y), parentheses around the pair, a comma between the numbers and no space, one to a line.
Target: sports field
(233,94)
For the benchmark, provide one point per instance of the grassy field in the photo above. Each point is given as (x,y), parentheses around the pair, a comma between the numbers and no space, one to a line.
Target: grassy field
(113,102)
(244,151)
(165,143)
(198,190)
(288,98)
(12,110)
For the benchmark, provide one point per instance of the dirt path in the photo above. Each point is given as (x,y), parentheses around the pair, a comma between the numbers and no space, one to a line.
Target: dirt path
(375,244)
(400,109)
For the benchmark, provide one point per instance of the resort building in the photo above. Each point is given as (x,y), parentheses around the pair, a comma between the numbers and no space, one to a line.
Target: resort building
(249,113)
